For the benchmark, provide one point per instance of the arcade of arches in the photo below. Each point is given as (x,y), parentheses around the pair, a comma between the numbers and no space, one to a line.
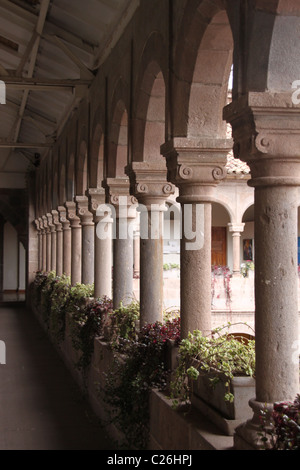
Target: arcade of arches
(152,130)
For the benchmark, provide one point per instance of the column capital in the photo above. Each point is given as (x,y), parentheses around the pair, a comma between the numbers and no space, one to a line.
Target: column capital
(50,222)
(96,197)
(196,166)
(118,190)
(62,213)
(85,216)
(266,132)
(45,224)
(236,228)
(56,221)
(149,183)
(41,224)
(37,224)
(72,215)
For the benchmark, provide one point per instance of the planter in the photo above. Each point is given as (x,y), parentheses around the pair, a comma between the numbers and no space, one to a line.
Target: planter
(210,400)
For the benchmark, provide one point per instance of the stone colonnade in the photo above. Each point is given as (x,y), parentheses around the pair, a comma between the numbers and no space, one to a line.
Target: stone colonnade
(192,58)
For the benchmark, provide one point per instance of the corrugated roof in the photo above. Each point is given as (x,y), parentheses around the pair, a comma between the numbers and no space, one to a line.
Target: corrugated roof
(53,41)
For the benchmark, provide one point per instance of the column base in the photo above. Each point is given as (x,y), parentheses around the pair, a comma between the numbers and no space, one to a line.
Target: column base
(246,435)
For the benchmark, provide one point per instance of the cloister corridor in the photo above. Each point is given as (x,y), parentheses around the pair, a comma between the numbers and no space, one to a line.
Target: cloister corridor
(149,226)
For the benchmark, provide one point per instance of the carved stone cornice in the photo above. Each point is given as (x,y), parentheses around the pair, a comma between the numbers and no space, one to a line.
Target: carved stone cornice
(85,216)
(56,221)
(50,223)
(266,133)
(72,214)
(37,225)
(118,194)
(149,183)
(96,197)
(196,166)
(236,228)
(41,224)
(62,212)
(45,224)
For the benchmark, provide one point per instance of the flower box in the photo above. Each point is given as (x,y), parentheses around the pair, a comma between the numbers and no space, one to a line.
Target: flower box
(210,399)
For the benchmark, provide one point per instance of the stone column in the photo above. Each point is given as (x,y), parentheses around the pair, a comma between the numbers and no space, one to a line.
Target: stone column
(151,189)
(76,243)
(59,242)
(48,243)
(236,230)
(44,245)
(196,167)
(267,135)
(40,246)
(103,243)
(53,241)
(67,242)
(88,239)
(136,252)
(125,214)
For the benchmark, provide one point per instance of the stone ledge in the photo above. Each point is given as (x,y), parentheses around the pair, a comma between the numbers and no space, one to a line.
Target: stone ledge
(174,430)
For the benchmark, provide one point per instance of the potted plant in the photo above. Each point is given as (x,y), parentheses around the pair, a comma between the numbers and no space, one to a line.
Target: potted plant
(216,375)
(280,429)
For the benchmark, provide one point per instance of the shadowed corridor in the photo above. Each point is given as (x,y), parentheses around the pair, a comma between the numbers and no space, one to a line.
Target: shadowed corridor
(41,407)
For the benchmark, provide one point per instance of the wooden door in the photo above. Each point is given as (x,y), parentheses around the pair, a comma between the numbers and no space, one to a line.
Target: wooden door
(218,246)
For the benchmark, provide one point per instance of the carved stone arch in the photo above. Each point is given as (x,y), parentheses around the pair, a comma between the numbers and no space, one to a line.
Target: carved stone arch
(49,185)
(70,177)
(96,155)
(55,197)
(202,65)
(149,111)
(117,155)
(81,177)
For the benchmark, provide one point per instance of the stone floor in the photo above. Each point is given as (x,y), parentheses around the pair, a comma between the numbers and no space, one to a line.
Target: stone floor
(41,407)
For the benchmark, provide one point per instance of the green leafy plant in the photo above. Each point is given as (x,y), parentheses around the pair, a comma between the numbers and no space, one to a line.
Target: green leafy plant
(59,298)
(219,355)
(169,266)
(280,429)
(122,322)
(140,368)
(87,325)
(45,287)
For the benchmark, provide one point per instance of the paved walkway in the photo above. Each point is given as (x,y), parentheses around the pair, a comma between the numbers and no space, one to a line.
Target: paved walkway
(41,407)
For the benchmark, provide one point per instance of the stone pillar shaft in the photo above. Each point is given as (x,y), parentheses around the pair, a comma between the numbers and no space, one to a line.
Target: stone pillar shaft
(151,267)
(276,291)
(59,243)
(150,187)
(236,230)
(53,242)
(103,243)
(123,267)
(76,243)
(88,239)
(125,214)
(195,267)
(66,241)
(47,247)
(266,133)
(196,167)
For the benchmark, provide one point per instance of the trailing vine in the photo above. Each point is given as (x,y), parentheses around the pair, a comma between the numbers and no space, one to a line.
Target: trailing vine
(87,325)
(132,376)
(122,322)
(60,297)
